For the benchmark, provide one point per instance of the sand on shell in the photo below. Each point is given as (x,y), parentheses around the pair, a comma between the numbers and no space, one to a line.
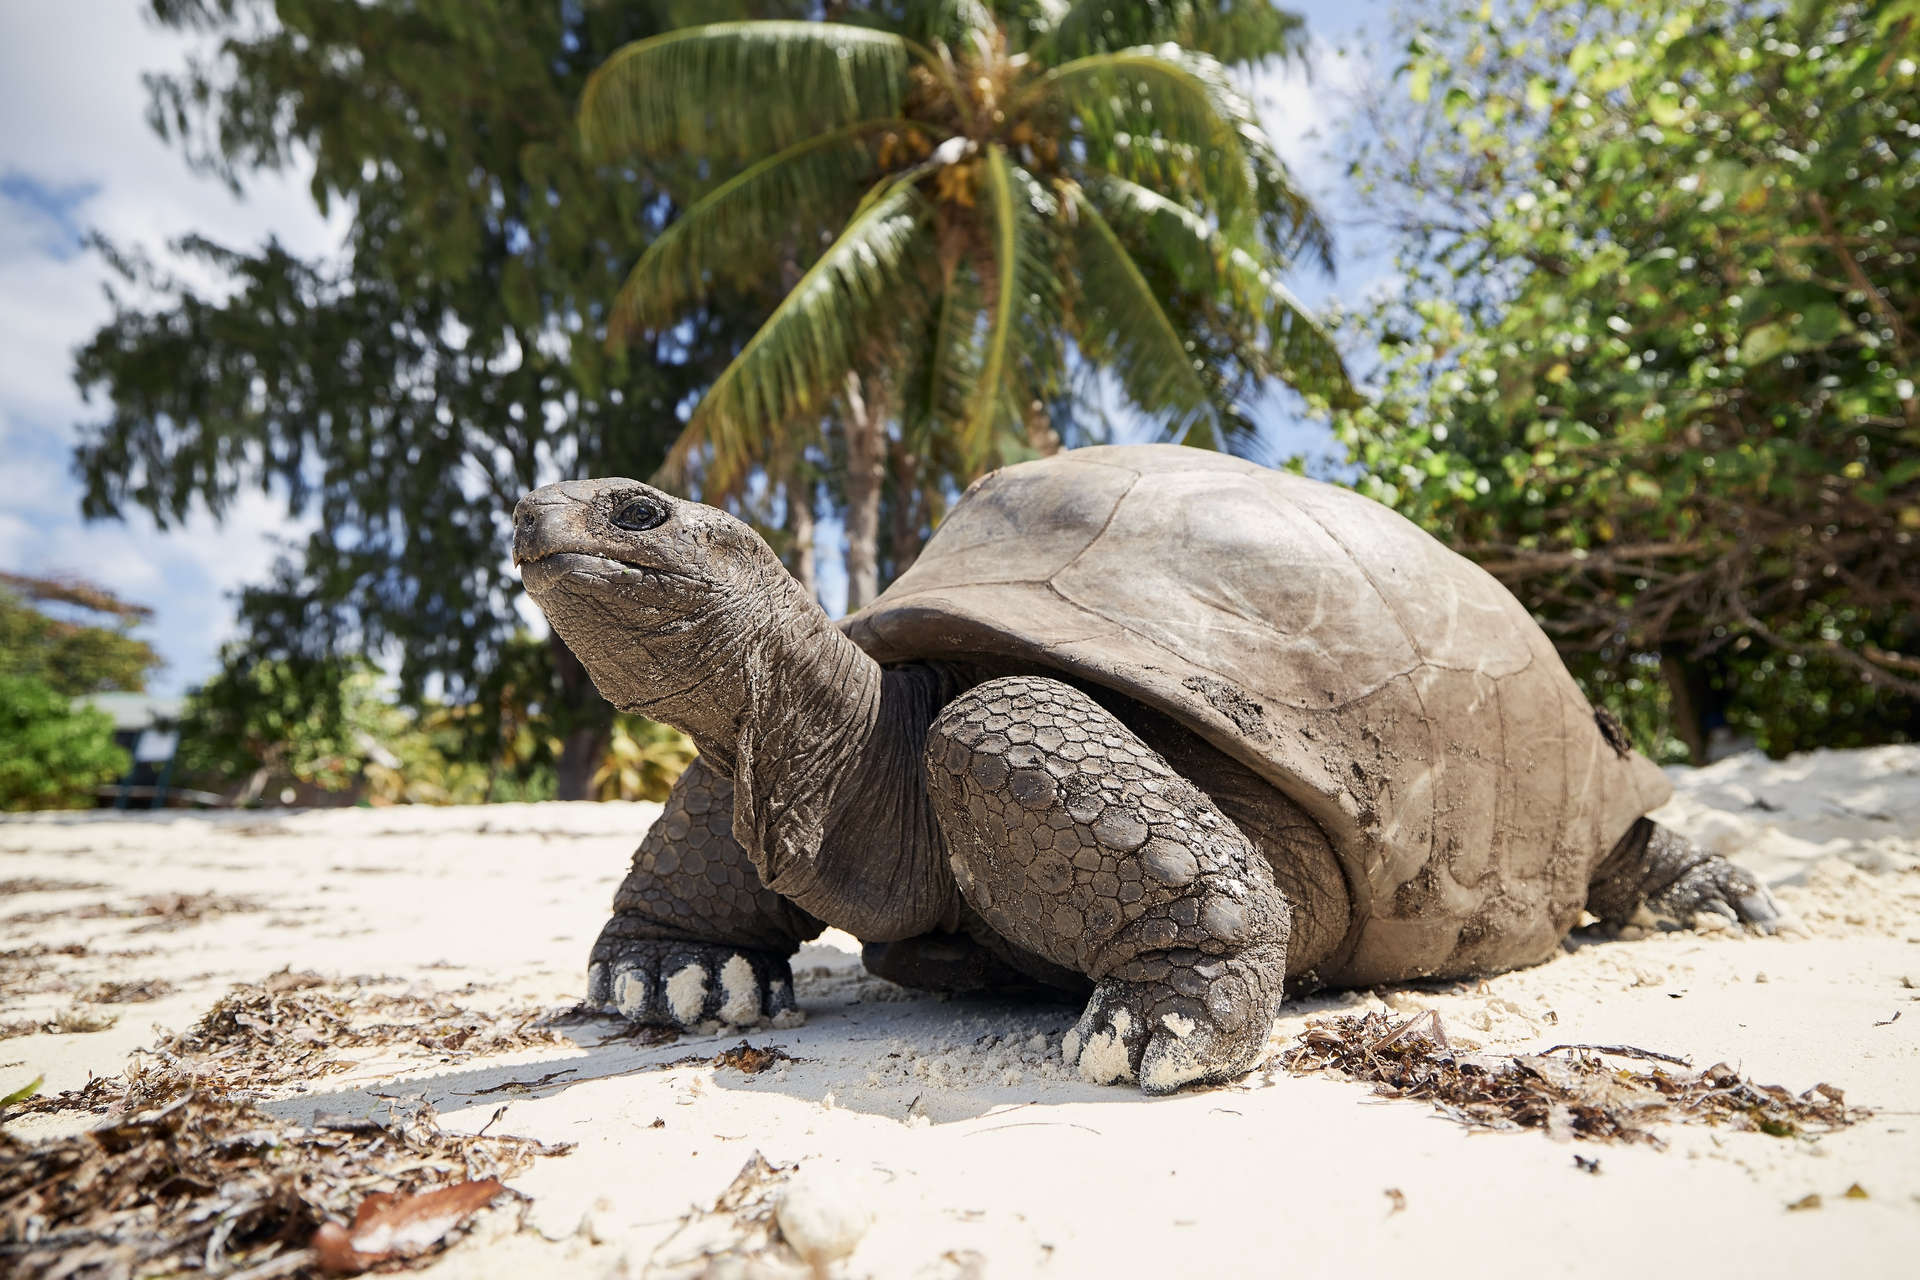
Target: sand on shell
(955,1121)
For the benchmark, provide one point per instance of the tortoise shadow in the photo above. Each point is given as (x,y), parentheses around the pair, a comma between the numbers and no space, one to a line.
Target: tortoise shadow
(934,1059)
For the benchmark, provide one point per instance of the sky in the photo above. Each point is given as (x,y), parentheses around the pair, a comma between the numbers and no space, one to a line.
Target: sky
(77,156)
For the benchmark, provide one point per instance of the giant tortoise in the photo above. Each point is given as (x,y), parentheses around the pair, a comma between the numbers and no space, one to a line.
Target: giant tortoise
(1150,722)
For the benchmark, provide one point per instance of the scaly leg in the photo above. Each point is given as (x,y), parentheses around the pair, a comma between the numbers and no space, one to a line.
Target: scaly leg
(1674,879)
(695,936)
(1074,840)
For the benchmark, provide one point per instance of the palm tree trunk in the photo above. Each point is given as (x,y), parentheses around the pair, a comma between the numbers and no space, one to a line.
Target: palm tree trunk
(909,509)
(800,526)
(866,464)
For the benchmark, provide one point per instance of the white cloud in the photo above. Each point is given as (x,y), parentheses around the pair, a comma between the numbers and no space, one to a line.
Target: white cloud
(1304,105)
(71,92)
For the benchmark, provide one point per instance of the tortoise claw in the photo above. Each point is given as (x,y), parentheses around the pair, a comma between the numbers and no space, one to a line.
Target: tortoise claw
(691,985)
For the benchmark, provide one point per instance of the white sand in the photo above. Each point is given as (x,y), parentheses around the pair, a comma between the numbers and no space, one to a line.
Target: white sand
(955,1121)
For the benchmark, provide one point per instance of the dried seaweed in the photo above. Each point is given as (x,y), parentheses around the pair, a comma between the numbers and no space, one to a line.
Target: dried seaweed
(160,910)
(1581,1095)
(290,1029)
(41,884)
(68,1022)
(137,991)
(23,971)
(748,1059)
(739,1229)
(203,1183)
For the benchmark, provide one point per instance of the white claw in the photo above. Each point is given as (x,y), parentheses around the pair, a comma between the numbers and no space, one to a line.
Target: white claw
(630,992)
(687,994)
(1103,1057)
(739,992)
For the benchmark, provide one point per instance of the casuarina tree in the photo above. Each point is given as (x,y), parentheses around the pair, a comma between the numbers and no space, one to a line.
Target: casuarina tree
(401,394)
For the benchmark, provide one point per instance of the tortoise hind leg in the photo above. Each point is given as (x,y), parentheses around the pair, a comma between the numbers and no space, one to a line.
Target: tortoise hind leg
(1073,840)
(1656,869)
(695,936)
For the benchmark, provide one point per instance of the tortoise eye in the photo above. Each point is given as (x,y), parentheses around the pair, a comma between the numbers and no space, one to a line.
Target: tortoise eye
(639,515)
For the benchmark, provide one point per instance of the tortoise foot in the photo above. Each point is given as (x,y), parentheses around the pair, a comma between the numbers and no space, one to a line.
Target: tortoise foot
(1658,878)
(1148,1031)
(1075,841)
(691,985)
(1719,890)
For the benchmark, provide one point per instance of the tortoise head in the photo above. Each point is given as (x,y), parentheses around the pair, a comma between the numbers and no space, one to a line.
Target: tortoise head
(656,595)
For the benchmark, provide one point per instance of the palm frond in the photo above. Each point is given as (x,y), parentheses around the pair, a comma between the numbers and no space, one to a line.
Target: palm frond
(729,90)
(1122,326)
(1290,343)
(795,362)
(1160,115)
(945,365)
(933,22)
(739,231)
(1234,33)
(1286,217)
(1023,291)
(1298,350)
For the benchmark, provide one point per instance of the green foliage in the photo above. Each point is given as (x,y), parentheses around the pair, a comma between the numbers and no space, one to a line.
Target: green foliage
(331,725)
(52,754)
(944,182)
(1655,362)
(70,656)
(643,760)
(315,722)
(407,390)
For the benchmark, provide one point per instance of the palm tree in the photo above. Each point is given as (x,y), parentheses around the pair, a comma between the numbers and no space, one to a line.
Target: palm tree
(996,207)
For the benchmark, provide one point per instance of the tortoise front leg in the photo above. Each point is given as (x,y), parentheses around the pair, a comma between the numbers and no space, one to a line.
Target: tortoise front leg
(1074,840)
(695,936)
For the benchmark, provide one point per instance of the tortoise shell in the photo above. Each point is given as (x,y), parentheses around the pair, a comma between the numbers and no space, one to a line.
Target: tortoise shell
(1391,688)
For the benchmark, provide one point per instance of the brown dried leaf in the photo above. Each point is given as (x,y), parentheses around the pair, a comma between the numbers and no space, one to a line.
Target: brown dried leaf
(752,1059)
(387,1226)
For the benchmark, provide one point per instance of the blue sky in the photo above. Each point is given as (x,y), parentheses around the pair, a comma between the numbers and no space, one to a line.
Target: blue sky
(77,155)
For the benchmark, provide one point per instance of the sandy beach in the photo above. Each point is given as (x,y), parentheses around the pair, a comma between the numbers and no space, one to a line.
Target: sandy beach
(953,1121)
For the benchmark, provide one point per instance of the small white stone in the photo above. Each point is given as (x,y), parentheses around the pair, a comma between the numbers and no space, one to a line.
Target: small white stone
(686,993)
(823,1214)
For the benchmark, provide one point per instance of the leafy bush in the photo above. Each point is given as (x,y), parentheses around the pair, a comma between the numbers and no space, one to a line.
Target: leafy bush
(1654,363)
(52,754)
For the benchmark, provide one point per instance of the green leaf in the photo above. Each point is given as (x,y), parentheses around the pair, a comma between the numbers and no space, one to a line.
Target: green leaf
(1159,114)
(24,1092)
(796,361)
(989,407)
(1292,345)
(739,231)
(1764,342)
(1235,33)
(1122,326)
(1420,82)
(706,91)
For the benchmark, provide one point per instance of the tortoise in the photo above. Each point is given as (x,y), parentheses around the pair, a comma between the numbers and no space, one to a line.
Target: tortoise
(1149,723)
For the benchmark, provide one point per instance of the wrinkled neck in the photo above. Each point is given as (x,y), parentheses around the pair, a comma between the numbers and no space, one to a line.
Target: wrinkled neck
(824,749)
(880,869)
